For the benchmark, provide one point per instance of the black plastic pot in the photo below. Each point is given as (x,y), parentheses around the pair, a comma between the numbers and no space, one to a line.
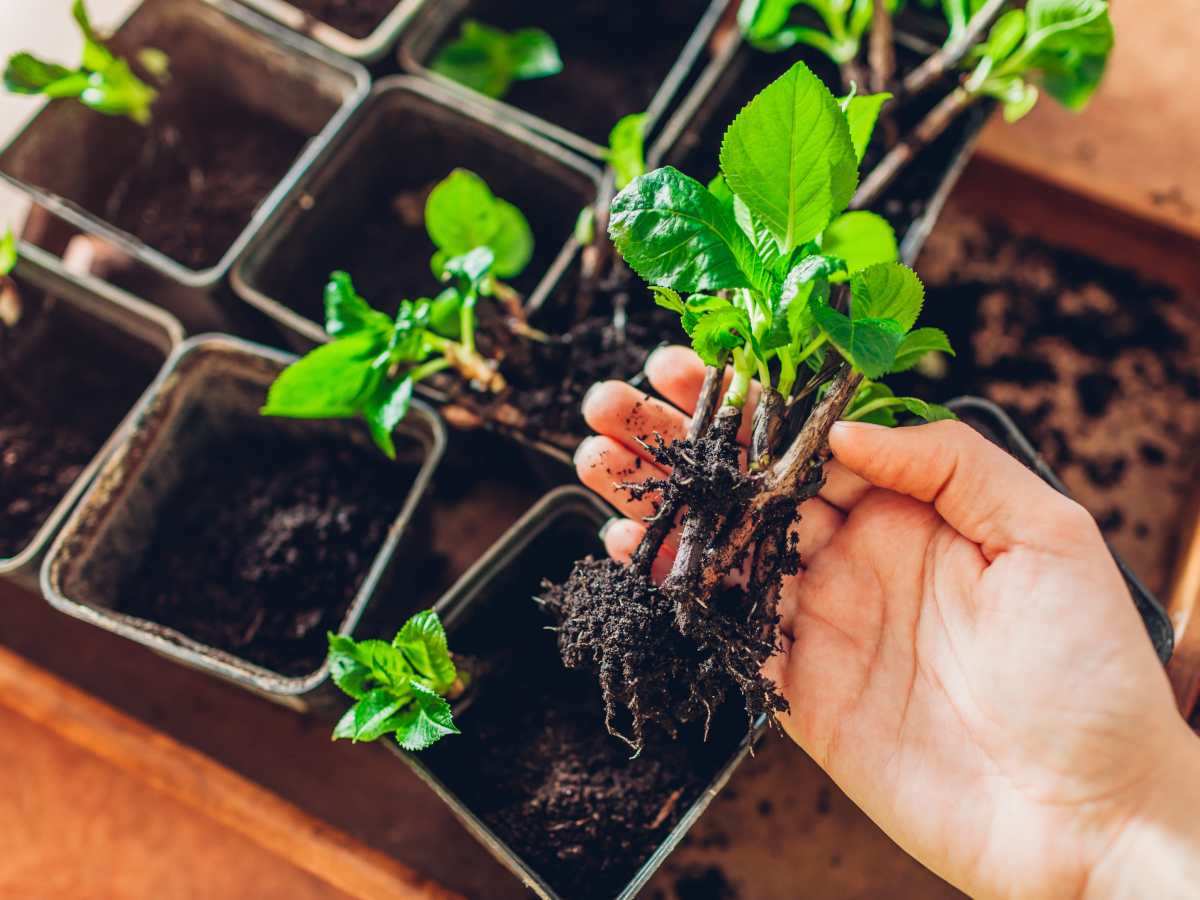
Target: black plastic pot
(566,521)
(123,326)
(435,25)
(366,48)
(256,63)
(211,387)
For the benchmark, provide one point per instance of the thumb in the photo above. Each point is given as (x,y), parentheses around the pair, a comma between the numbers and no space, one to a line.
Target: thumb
(981,491)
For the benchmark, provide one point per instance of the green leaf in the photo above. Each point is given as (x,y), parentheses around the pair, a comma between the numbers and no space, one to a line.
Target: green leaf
(862,239)
(1006,35)
(26,74)
(373,714)
(512,243)
(385,409)
(917,344)
(347,671)
(760,236)
(887,291)
(862,112)
(761,19)
(444,316)
(674,233)
(8,252)
(626,149)
(872,392)
(868,344)
(489,60)
(471,269)
(422,640)
(425,721)
(461,213)
(585,226)
(331,382)
(668,299)
(346,312)
(1067,44)
(1019,99)
(718,332)
(789,156)
(930,412)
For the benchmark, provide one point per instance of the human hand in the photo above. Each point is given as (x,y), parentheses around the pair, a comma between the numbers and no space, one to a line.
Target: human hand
(960,652)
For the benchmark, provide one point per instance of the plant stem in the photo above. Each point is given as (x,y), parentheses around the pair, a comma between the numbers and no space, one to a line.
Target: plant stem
(743,374)
(950,56)
(432,367)
(927,131)
(663,521)
(881,53)
(769,420)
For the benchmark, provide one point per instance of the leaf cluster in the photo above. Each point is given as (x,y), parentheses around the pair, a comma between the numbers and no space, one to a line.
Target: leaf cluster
(765,247)
(399,688)
(8,252)
(1062,46)
(490,60)
(768,25)
(374,362)
(101,81)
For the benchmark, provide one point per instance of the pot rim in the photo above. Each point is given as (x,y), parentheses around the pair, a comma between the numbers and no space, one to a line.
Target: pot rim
(41,268)
(569,500)
(173,643)
(365,50)
(431,28)
(206,279)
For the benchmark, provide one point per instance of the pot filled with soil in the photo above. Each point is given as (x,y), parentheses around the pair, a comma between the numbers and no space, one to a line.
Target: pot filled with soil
(691,138)
(534,775)
(75,356)
(361,29)
(239,107)
(592,63)
(233,542)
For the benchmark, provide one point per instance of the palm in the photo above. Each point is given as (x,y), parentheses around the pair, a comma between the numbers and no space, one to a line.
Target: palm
(980,698)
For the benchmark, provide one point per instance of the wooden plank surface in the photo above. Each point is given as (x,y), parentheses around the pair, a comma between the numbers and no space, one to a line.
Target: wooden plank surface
(1137,146)
(142,815)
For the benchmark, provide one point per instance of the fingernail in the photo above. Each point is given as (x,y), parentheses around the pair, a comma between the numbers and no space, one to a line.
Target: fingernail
(589,394)
(579,451)
(607,526)
(650,360)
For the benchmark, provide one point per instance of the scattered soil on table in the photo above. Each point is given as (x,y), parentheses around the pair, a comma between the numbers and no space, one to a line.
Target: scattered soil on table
(65,384)
(616,55)
(357,18)
(205,163)
(534,761)
(1100,367)
(262,547)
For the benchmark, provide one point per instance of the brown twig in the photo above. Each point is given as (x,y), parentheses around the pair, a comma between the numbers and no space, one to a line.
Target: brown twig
(949,57)
(881,53)
(927,131)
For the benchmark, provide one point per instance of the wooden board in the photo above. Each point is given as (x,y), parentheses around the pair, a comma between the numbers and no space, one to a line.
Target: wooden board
(97,804)
(1137,146)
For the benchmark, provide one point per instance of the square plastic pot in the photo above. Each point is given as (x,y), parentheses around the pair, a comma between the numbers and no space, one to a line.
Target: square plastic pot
(212,385)
(263,66)
(432,28)
(121,324)
(562,509)
(366,49)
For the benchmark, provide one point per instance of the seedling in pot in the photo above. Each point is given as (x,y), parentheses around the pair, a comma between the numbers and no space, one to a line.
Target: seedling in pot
(1061,46)
(771,277)
(102,81)
(401,688)
(490,60)
(376,360)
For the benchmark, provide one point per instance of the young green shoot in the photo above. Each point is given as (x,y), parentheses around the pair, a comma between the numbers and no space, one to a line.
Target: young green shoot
(374,362)
(101,81)
(1060,47)
(10,300)
(399,688)
(490,61)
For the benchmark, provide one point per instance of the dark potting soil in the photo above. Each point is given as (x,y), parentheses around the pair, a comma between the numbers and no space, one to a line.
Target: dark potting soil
(262,547)
(534,761)
(616,55)
(205,163)
(357,18)
(1100,368)
(65,384)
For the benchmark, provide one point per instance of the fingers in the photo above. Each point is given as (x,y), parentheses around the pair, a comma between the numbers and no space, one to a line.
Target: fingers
(981,491)
(621,538)
(842,489)
(678,374)
(602,464)
(622,412)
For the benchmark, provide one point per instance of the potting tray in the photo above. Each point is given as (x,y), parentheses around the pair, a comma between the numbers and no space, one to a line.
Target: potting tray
(366,45)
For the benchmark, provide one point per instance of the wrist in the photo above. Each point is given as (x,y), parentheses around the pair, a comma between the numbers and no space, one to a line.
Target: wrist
(1153,848)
